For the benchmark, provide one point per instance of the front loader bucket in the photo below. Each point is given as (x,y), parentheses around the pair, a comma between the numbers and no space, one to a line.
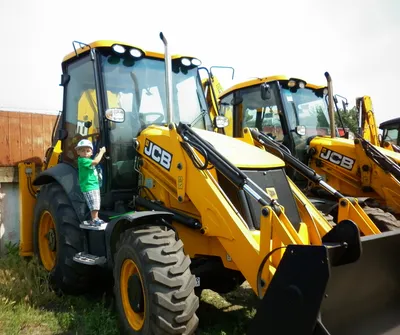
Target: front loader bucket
(343,287)
(364,297)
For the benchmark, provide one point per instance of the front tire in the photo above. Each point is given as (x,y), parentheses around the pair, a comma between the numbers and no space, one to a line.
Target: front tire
(154,288)
(57,238)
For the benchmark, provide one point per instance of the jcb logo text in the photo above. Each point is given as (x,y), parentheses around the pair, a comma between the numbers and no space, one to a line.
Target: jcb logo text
(158,154)
(336,158)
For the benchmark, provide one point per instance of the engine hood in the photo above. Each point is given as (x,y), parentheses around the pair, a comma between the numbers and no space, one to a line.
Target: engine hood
(391,154)
(239,153)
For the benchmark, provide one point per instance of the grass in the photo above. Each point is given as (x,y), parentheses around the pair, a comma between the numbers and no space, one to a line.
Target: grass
(228,314)
(28,306)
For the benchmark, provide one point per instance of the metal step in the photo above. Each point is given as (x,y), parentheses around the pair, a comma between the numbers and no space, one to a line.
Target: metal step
(88,259)
(86,225)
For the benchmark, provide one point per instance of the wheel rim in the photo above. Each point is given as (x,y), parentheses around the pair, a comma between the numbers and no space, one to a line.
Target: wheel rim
(47,241)
(131,282)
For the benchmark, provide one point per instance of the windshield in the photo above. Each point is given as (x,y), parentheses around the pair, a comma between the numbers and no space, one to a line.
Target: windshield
(138,86)
(306,107)
(392,135)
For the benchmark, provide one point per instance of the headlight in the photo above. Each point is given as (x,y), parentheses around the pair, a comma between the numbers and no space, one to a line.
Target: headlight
(291,83)
(196,62)
(136,53)
(185,61)
(118,48)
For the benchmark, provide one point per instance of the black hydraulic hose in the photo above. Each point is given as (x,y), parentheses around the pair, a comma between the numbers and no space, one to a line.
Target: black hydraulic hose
(295,163)
(383,162)
(259,281)
(230,171)
(237,177)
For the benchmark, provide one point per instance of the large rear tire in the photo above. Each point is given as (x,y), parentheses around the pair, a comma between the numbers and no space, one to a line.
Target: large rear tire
(385,221)
(154,288)
(57,238)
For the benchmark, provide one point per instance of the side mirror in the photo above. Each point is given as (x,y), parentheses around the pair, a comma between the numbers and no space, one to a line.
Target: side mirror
(265,91)
(220,122)
(115,115)
(300,130)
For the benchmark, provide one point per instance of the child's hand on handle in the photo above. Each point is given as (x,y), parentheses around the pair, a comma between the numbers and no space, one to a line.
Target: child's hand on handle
(103,151)
(99,156)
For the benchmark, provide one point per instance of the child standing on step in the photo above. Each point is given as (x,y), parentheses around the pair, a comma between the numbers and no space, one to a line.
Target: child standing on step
(88,178)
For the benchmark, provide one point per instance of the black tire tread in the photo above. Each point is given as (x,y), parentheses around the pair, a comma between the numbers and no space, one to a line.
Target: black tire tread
(67,276)
(385,221)
(328,218)
(171,303)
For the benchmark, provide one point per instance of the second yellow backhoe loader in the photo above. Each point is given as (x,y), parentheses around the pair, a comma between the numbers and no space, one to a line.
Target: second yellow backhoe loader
(295,114)
(187,207)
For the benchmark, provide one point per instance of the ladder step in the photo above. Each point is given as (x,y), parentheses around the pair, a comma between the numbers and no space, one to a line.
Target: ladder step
(88,259)
(86,225)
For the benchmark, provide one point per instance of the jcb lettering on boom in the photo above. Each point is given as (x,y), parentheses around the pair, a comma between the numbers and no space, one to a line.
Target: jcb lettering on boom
(158,154)
(336,158)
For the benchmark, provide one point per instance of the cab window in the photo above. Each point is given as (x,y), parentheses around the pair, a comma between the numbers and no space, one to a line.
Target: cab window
(80,109)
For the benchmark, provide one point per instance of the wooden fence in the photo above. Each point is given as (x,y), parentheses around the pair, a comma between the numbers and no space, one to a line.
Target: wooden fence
(24,136)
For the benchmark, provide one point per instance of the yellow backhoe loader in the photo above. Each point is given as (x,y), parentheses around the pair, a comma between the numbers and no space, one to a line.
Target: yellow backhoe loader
(295,114)
(187,207)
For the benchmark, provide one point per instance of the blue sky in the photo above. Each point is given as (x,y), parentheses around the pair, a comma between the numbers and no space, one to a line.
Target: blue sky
(355,41)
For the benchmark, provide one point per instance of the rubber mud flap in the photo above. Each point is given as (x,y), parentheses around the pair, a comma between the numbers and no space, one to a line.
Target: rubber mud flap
(292,301)
(364,297)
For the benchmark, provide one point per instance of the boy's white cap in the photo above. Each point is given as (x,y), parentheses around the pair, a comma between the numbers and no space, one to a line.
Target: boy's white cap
(84,143)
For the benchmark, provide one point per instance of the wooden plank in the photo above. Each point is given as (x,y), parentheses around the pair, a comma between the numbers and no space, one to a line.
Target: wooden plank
(4,144)
(26,136)
(8,174)
(14,137)
(37,137)
(48,124)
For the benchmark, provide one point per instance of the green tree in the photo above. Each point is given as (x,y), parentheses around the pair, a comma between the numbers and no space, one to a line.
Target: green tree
(349,118)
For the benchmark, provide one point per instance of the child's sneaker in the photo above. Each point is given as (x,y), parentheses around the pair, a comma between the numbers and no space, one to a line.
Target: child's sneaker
(97,222)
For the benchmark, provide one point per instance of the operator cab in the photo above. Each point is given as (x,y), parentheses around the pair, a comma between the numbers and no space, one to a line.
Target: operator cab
(112,91)
(289,110)
(391,131)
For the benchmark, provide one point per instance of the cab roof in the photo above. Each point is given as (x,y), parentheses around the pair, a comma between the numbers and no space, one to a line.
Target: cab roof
(258,81)
(108,44)
(391,122)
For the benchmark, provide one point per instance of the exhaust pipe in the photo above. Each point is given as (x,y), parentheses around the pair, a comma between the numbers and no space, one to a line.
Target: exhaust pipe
(330,106)
(168,79)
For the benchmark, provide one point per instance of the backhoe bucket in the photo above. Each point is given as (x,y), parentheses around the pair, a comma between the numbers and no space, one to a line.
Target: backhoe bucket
(364,297)
(310,295)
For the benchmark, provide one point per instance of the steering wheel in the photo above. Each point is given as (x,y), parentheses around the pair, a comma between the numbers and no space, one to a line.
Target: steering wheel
(159,119)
